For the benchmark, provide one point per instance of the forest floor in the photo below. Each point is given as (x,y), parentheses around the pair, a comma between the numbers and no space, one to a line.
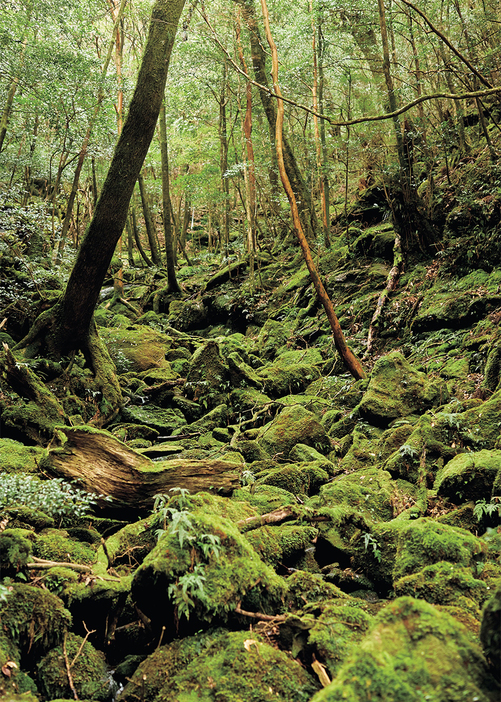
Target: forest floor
(262,526)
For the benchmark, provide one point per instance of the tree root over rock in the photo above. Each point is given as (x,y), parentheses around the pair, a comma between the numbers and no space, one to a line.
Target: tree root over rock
(44,337)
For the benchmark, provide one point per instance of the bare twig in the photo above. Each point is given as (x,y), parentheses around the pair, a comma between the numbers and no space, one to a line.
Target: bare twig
(260,616)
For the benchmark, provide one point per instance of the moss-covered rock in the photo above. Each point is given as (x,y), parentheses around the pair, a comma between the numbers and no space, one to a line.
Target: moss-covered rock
(283,377)
(272,336)
(370,491)
(281,545)
(396,389)
(292,426)
(35,619)
(16,457)
(469,475)
(298,478)
(136,349)
(208,378)
(88,671)
(15,551)
(490,632)
(413,652)
(446,584)
(202,567)
(163,420)
(233,666)
(56,545)
(338,630)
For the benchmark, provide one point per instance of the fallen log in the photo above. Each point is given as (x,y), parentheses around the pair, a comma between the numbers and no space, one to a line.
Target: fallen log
(102,464)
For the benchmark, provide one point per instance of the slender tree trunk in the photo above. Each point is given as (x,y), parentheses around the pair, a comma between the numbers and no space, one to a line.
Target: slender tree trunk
(351,361)
(82,291)
(249,170)
(173,285)
(85,144)
(318,140)
(223,158)
(149,224)
(303,198)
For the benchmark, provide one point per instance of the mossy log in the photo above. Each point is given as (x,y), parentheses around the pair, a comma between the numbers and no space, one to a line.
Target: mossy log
(103,464)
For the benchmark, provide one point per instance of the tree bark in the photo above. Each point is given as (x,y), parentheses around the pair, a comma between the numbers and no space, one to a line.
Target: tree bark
(350,360)
(95,254)
(103,464)
(170,252)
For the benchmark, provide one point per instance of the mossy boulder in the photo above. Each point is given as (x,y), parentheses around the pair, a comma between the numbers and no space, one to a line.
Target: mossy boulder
(202,567)
(293,425)
(281,545)
(370,491)
(15,551)
(136,349)
(490,632)
(185,315)
(264,498)
(396,389)
(413,652)
(272,336)
(399,548)
(88,671)
(35,619)
(469,475)
(56,545)
(16,457)
(164,420)
(338,630)
(208,378)
(445,583)
(298,478)
(285,377)
(235,666)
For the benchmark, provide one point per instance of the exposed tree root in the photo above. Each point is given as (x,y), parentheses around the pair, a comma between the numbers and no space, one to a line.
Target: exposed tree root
(44,339)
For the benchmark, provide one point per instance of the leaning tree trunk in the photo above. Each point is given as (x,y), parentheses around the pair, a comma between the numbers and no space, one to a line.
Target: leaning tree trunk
(68,326)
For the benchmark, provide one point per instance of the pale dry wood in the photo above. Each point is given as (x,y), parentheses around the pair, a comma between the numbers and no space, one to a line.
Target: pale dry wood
(103,464)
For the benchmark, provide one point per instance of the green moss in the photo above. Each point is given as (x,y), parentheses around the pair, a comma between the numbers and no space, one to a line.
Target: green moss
(338,630)
(55,545)
(446,584)
(281,544)
(370,491)
(239,667)
(305,588)
(88,672)
(469,475)
(291,426)
(136,349)
(413,652)
(231,572)
(16,457)
(271,337)
(299,479)
(283,378)
(490,631)
(35,619)
(396,389)
(264,498)
(15,551)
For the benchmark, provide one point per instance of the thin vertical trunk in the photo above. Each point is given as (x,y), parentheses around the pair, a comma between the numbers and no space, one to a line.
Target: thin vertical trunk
(173,285)
(249,170)
(85,144)
(318,140)
(350,360)
(223,158)
(149,223)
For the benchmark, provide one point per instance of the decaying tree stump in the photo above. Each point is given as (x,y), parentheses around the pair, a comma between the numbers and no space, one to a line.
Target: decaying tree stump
(101,463)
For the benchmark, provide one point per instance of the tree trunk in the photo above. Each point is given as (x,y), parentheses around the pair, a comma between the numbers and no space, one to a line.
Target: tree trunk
(102,464)
(305,206)
(173,285)
(350,360)
(149,224)
(95,254)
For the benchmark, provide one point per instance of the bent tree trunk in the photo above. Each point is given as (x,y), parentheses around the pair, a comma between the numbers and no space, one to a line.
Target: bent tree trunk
(68,326)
